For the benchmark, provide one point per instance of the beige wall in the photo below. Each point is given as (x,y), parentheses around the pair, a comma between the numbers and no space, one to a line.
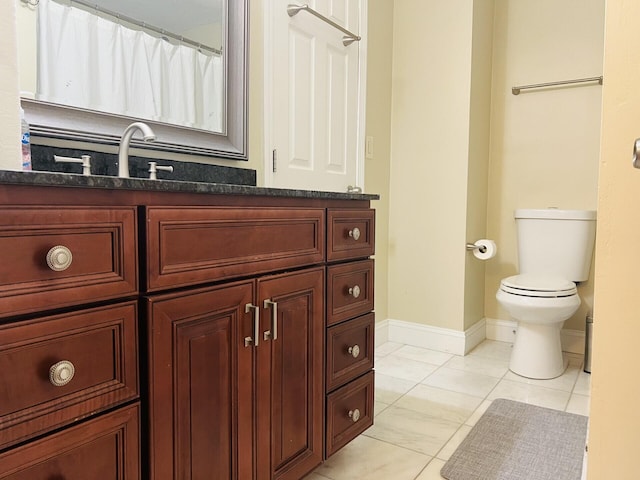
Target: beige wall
(429,161)
(615,392)
(9,116)
(478,157)
(27,58)
(544,144)
(378,126)
(439,160)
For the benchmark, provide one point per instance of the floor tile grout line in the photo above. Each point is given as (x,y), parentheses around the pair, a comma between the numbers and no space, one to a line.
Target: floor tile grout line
(398,446)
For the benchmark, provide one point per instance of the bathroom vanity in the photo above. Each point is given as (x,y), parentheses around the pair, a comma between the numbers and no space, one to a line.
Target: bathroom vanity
(177,330)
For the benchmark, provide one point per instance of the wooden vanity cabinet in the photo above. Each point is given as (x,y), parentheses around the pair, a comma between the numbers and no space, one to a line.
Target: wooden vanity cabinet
(209,333)
(236,368)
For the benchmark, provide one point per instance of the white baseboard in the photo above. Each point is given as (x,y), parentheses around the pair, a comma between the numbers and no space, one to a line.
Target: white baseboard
(572,341)
(505,331)
(475,335)
(433,338)
(461,343)
(501,330)
(382,332)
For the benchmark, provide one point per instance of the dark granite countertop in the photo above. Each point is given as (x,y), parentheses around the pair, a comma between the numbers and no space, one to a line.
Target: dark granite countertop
(107,182)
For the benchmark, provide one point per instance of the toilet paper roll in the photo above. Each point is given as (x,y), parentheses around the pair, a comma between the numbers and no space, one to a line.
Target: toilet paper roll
(487,249)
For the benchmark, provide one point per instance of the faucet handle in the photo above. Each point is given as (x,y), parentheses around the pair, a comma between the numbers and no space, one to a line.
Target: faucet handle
(154,168)
(85,160)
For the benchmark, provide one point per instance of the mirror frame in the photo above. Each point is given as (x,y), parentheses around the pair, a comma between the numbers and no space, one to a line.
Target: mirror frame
(71,123)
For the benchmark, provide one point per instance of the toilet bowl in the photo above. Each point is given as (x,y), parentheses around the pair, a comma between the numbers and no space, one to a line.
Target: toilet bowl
(540,304)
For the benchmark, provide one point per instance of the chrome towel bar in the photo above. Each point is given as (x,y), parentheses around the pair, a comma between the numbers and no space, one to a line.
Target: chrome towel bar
(348,38)
(516,90)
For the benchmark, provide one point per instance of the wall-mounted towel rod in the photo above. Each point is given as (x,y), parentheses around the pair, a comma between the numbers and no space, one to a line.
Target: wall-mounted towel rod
(349,37)
(516,90)
(162,32)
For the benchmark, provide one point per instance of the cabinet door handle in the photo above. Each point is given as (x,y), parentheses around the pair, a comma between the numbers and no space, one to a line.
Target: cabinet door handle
(256,325)
(354,351)
(274,318)
(355,233)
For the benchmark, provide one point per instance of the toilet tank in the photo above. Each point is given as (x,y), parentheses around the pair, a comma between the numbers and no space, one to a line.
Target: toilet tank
(556,242)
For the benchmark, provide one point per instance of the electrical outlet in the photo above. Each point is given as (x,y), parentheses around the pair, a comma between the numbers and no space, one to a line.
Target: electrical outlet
(368,147)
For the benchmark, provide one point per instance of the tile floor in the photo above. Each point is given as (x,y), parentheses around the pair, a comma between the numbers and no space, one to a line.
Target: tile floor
(426,402)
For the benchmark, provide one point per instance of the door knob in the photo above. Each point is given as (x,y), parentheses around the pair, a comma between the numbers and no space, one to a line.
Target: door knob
(636,150)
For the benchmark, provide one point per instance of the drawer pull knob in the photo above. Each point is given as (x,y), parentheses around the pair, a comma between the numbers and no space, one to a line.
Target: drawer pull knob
(59,258)
(354,351)
(61,373)
(355,233)
(354,291)
(354,415)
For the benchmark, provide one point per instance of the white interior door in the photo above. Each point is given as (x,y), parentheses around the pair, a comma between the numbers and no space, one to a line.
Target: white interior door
(314,96)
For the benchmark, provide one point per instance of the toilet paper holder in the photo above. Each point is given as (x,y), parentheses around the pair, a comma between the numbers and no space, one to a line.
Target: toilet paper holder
(472,246)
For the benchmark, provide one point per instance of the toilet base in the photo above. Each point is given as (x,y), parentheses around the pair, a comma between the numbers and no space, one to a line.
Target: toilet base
(537,351)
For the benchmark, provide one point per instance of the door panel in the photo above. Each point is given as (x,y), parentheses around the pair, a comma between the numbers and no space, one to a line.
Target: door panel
(201,384)
(339,117)
(301,101)
(289,379)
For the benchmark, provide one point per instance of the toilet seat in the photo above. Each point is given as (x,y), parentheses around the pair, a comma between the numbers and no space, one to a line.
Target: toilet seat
(543,286)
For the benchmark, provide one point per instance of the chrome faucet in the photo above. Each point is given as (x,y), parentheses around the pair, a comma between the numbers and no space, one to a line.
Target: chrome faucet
(123,151)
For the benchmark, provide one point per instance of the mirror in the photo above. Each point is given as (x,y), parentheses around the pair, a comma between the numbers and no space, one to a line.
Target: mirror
(89,68)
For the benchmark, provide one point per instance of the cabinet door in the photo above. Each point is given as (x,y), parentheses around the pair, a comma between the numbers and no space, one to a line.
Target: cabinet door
(289,375)
(201,384)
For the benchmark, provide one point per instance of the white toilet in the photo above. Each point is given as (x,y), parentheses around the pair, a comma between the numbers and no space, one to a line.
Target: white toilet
(554,251)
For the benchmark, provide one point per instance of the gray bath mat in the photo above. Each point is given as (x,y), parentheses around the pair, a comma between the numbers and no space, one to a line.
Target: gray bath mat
(517,441)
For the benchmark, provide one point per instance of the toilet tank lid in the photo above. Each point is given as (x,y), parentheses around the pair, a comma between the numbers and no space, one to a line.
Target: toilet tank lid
(555,213)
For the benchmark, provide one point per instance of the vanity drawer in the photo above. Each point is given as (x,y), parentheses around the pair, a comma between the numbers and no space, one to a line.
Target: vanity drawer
(107,447)
(204,244)
(350,290)
(350,234)
(349,412)
(100,344)
(102,247)
(349,350)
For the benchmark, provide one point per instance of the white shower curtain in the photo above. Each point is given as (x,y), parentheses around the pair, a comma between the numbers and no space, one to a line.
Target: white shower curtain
(90,62)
